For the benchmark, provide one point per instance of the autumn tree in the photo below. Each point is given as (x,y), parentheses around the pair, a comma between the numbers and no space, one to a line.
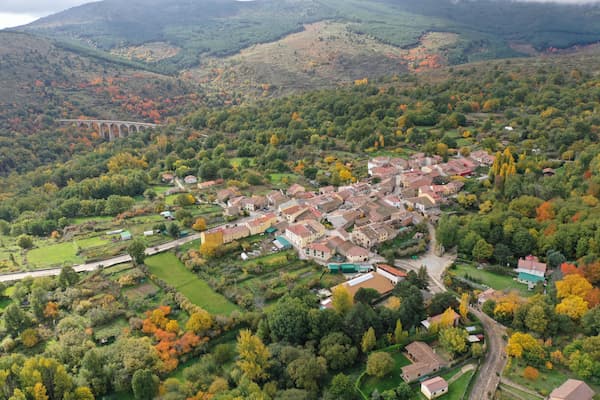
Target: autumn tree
(199,224)
(200,322)
(254,357)
(463,308)
(573,285)
(380,364)
(523,345)
(453,339)
(572,306)
(368,340)
(531,373)
(341,300)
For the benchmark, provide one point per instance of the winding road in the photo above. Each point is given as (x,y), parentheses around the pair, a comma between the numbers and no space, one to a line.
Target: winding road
(495,360)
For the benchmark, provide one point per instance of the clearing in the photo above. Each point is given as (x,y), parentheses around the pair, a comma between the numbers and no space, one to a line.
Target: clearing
(170,269)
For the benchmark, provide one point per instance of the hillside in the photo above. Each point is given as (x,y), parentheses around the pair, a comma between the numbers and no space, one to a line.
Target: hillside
(40,81)
(181,34)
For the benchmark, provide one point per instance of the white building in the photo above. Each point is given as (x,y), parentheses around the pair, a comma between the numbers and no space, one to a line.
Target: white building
(434,387)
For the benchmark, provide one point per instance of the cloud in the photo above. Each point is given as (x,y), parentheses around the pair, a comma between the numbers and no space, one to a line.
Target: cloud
(37,7)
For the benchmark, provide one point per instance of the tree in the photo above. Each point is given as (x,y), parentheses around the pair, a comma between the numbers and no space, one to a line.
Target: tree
(463,308)
(399,334)
(573,306)
(16,320)
(174,230)
(476,350)
(341,387)
(200,321)
(288,321)
(366,295)
(591,321)
(137,251)
(368,340)
(338,351)
(199,224)
(440,302)
(341,301)
(482,250)
(67,277)
(51,310)
(573,285)
(453,339)
(144,384)
(37,300)
(380,364)
(39,392)
(524,345)
(531,373)
(25,242)
(536,319)
(254,357)
(307,371)
(29,337)
(447,231)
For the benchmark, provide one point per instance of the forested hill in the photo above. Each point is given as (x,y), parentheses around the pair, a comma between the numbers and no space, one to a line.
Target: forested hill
(182,31)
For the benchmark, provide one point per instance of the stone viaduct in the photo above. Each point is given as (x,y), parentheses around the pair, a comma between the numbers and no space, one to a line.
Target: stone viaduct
(109,129)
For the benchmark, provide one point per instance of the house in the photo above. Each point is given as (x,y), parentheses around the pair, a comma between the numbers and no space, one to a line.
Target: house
(424,361)
(319,251)
(167,177)
(225,194)
(212,237)
(372,235)
(275,198)
(572,389)
(232,211)
(548,172)
(295,189)
(377,162)
(190,179)
(347,249)
(261,224)
(343,218)
(393,274)
(434,387)
(254,203)
(368,281)
(531,271)
(235,233)
(393,201)
(423,204)
(209,184)
(482,157)
(305,232)
(437,319)
(326,190)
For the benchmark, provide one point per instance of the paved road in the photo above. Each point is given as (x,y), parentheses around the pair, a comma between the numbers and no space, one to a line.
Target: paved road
(435,265)
(495,358)
(94,265)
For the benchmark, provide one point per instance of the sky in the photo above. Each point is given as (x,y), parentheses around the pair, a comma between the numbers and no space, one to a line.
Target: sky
(20,12)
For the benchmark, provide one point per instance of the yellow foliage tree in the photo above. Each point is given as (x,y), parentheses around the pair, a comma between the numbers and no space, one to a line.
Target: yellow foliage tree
(573,306)
(200,321)
(393,303)
(274,141)
(519,343)
(573,285)
(123,161)
(463,308)
(39,392)
(254,356)
(199,225)
(172,326)
(342,300)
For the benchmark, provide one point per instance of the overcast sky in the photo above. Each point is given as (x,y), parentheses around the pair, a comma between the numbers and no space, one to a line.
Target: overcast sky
(19,12)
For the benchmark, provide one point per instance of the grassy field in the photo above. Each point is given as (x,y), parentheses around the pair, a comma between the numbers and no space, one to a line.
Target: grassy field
(370,383)
(458,387)
(168,267)
(270,260)
(278,178)
(54,254)
(496,281)
(505,393)
(83,220)
(548,380)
